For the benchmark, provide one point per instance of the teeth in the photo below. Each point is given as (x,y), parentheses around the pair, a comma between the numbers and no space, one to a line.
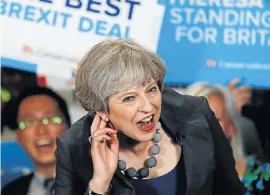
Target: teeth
(146,119)
(44,142)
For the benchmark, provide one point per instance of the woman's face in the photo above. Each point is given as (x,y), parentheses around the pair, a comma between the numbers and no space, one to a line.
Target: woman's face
(136,111)
(217,105)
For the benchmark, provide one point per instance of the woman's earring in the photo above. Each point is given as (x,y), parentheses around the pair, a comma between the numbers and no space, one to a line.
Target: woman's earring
(106,119)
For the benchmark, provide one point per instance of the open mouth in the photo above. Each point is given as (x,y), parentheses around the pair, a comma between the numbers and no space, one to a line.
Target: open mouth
(44,143)
(146,124)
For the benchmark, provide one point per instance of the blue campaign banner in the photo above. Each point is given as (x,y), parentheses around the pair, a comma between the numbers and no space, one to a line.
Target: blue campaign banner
(14,162)
(216,41)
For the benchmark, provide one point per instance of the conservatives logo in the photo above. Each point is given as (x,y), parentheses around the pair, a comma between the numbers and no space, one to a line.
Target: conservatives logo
(211,63)
(42,54)
(27,50)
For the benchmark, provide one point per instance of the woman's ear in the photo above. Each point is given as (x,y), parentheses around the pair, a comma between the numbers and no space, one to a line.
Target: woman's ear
(103,116)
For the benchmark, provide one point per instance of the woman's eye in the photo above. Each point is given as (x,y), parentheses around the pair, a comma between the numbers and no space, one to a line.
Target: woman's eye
(153,89)
(128,99)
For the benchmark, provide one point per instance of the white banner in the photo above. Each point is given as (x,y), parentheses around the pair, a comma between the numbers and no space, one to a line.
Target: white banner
(55,34)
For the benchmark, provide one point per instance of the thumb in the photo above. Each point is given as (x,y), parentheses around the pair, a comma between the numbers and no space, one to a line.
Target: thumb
(232,84)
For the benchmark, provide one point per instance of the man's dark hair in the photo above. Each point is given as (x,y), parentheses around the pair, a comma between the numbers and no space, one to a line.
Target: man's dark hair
(32,91)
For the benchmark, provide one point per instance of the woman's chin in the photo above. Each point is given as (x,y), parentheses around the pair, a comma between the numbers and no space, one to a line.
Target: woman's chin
(145,137)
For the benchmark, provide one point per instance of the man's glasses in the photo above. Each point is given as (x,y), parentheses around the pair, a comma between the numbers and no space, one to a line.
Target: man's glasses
(44,121)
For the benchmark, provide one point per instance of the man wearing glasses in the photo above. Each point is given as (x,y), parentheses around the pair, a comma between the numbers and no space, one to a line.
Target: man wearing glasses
(41,116)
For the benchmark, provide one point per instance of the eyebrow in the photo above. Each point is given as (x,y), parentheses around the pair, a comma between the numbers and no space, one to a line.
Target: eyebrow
(129,93)
(151,83)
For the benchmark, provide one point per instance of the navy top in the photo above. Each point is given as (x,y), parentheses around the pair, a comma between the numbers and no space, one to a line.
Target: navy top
(172,183)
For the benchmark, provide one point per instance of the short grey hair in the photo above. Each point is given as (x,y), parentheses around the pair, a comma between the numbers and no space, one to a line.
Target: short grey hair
(112,66)
(205,89)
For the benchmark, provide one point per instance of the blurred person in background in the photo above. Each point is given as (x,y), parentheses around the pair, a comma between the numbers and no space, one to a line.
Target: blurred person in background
(216,102)
(40,116)
(12,82)
(246,128)
(254,173)
(259,113)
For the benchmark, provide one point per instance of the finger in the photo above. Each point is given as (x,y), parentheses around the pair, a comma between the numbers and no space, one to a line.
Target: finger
(95,124)
(114,144)
(103,116)
(102,124)
(98,139)
(104,120)
(245,89)
(103,131)
(232,84)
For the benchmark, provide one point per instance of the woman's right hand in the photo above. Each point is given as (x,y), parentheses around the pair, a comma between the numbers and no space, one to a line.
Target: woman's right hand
(104,157)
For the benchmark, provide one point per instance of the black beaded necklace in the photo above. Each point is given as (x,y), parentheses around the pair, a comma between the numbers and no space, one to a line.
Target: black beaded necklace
(149,163)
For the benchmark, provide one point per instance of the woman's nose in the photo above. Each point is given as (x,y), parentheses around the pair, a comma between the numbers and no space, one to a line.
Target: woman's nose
(145,105)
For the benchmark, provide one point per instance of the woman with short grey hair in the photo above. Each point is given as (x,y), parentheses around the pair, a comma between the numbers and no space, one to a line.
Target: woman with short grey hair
(217,101)
(115,66)
(139,137)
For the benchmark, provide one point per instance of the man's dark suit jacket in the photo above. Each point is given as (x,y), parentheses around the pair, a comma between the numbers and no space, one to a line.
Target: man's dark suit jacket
(210,167)
(19,186)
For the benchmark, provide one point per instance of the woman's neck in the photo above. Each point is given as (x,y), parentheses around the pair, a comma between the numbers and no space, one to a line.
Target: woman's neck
(139,149)
(142,148)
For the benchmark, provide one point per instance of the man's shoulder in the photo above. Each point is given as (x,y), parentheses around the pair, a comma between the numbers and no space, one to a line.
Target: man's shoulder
(20,184)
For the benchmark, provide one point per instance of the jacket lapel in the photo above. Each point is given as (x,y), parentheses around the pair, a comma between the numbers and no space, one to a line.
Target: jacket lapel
(121,185)
(199,159)
(197,148)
